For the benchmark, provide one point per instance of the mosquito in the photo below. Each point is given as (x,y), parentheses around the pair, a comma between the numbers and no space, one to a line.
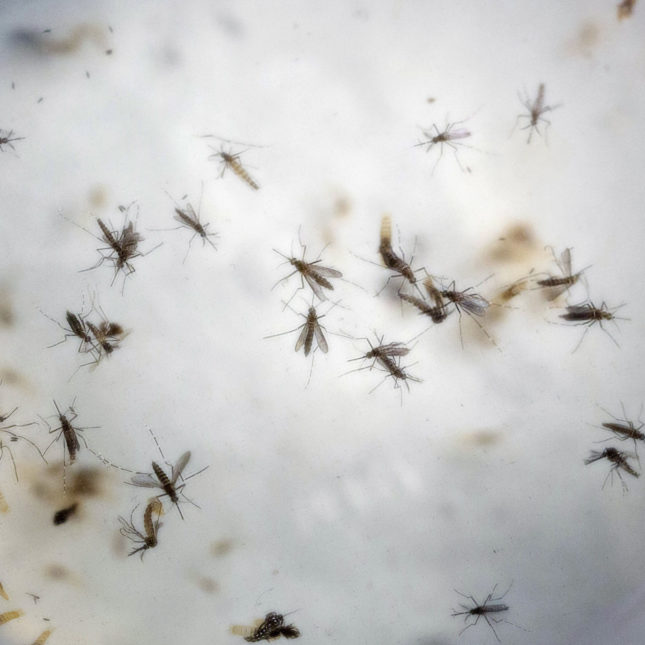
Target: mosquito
(558,285)
(536,109)
(624,429)
(147,540)
(6,139)
(167,484)
(313,273)
(471,303)
(232,160)
(450,136)
(271,627)
(588,314)
(618,460)
(491,605)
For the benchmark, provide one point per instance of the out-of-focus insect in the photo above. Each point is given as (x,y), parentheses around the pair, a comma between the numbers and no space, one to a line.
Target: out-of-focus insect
(232,160)
(188,218)
(618,461)
(167,484)
(450,136)
(624,429)
(536,109)
(491,605)
(11,615)
(6,139)
(148,539)
(271,627)
(313,273)
(60,517)
(43,637)
(588,314)
(558,285)
(625,9)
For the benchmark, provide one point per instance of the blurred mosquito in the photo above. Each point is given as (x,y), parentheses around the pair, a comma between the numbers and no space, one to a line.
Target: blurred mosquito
(588,314)
(618,460)
(7,140)
(313,273)
(536,110)
(491,605)
(450,136)
(148,539)
(167,484)
(189,219)
(271,627)
(558,285)
(471,303)
(624,429)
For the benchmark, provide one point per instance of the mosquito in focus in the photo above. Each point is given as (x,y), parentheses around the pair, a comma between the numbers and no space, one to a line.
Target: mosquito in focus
(450,136)
(313,273)
(555,286)
(166,483)
(536,110)
(271,627)
(618,461)
(588,314)
(148,539)
(491,605)
(7,140)
(191,220)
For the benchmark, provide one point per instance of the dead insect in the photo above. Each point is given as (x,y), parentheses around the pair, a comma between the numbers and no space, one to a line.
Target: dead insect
(625,8)
(491,605)
(624,429)
(167,484)
(11,615)
(150,526)
(313,273)
(60,517)
(43,637)
(272,627)
(536,109)
(6,139)
(390,258)
(232,160)
(588,314)
(450,136)
(471,303)
(555,285)
(618,460)
(188,218)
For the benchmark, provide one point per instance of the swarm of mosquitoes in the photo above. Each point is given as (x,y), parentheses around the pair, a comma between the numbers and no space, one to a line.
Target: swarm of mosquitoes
(97,337)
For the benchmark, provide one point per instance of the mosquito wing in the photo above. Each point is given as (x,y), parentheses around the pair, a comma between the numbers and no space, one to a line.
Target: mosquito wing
(326,271)
(179,466)
(302,338)
(320,339)
(146,481)
(315,287)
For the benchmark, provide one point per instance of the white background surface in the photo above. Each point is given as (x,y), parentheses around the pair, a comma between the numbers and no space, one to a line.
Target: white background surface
(358,511)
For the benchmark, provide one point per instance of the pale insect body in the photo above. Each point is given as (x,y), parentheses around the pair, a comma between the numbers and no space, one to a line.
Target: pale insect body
(619,462)
(536,110)
(450,136)
(232,160)
(147,539)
